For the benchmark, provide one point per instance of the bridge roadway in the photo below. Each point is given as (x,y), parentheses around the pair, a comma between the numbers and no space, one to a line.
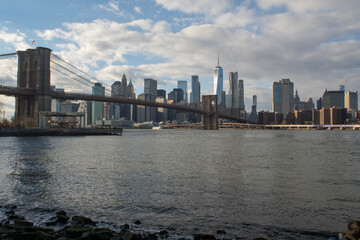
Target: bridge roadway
(18,92)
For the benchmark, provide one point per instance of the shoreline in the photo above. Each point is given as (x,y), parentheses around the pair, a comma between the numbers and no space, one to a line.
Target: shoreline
(63,227)
(30,132)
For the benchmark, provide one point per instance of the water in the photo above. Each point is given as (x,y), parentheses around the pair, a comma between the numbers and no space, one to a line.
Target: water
(256,183)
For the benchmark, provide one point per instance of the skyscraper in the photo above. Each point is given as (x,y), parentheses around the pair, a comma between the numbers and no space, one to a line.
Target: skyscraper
(253,115)
(283,96)
(233,93)
(183,86)
(351,102)
(150,87)
(195,90)
(147,113)
(115,108)
(218,80)
(124,86)
(236,92)
(97,107)
(241,94)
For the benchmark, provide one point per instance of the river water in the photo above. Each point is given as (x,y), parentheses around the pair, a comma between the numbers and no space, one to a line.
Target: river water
(278,184)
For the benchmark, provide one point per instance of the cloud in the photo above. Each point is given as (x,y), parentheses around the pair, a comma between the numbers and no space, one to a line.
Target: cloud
(207,7)
(137,9)
(113,7)
(17,39)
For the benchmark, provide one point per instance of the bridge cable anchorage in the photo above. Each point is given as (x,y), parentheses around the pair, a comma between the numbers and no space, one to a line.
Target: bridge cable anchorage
(80,70)
(8,54)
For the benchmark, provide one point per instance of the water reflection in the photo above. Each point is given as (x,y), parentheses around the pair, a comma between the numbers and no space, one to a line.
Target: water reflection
(31,173)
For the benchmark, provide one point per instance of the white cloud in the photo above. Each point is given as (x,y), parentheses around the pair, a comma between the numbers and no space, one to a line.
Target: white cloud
(113,7)
(137,9)
(207,7)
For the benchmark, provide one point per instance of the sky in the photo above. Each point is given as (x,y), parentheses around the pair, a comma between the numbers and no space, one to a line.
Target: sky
(316,44)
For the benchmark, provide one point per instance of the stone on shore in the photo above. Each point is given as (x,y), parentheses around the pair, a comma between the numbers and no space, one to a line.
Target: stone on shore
(81,220)
(204,237)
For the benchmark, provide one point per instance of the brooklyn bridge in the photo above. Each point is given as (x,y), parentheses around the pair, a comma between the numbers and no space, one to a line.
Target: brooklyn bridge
(33,93)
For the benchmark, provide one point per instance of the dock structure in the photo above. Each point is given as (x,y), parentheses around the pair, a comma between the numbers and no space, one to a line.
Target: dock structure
(288,127)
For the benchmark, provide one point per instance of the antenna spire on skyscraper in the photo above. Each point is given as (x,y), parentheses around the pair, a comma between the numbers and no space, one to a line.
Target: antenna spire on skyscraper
(218,59)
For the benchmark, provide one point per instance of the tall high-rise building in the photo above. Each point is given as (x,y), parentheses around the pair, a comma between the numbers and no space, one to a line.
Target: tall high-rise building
(147,113)
(333,99)
(241,94)
(183,86)
(233,90)
(351,100)
(283,97)
(195,90)
(97,107)
(124,86)
(253,115)
(218,80)
(130,90)
(351,103)
(150,87)
(161,93)
(115,108)
(236,92)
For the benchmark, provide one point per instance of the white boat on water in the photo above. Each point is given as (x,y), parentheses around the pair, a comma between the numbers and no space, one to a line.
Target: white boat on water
(157,127)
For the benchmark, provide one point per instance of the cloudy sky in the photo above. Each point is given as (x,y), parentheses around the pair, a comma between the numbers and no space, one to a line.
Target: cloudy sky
(314,43)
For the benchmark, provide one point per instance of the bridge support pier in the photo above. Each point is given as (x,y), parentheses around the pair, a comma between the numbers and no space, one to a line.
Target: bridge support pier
(210,121)
(33,73)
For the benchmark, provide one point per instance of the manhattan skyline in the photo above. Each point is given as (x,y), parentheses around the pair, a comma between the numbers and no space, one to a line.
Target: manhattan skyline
(263,41)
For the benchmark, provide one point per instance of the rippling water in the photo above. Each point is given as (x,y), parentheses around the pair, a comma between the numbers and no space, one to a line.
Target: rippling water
(274,184)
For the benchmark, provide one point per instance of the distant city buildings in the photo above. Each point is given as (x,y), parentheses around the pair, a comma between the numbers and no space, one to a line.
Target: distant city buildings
(97,107)
(218,80)
(253,115)
(183,86)
(298,105)
(283,96)
(333,99)
(195,91)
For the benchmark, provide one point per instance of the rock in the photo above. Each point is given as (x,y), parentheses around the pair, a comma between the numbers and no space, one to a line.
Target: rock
(127,235)
(4,230)
(76,231)
(125,226)
(10,206)
(82,221)
(220,232)
(24,236)
(51,223)
(260,238)
(151,236)
(23,226)
(14,216)
(61,213)
(204,237)
(40,235)
(10,212)
(163,232)
(45,230)
(62,219)
(137,222)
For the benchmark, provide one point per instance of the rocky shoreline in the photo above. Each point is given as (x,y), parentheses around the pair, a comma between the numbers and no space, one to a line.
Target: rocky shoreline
(16,227)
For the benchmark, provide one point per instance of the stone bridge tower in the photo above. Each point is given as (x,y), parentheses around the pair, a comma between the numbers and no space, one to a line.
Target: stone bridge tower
(210,121)
(33,73)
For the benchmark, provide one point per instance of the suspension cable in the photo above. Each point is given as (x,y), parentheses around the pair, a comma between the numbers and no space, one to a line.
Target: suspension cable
(8,54)
(80,70)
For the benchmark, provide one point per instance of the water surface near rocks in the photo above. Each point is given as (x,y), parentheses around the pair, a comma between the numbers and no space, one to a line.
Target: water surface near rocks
(256,183)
